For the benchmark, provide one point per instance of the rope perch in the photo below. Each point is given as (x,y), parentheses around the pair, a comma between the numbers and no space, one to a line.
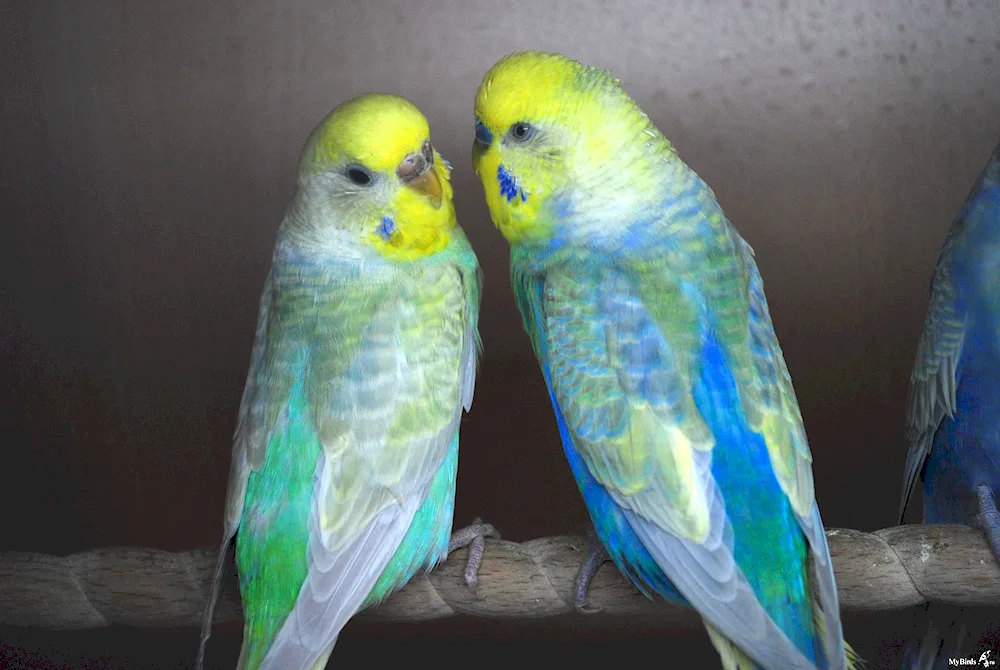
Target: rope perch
(885,570)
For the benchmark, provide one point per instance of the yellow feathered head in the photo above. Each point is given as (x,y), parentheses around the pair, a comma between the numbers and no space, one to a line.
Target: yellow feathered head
(553,134)
(369,168)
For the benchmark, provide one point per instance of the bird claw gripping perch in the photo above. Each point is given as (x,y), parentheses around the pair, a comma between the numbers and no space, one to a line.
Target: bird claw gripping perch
(474,537)
(988,518)
(595,559)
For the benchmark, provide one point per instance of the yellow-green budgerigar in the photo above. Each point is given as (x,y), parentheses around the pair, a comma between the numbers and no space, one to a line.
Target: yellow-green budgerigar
(345,454)
(647,314)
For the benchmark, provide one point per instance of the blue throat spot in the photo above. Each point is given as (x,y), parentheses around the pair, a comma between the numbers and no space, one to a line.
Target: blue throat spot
(509,188)
(386,228)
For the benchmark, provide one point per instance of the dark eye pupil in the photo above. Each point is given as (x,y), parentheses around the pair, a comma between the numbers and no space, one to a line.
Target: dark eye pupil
(520,130)
(359,176)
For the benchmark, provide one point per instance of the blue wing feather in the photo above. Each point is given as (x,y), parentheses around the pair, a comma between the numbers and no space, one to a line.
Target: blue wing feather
(762,533)
(624,547)
(769,545)
(954,410)
(622,544)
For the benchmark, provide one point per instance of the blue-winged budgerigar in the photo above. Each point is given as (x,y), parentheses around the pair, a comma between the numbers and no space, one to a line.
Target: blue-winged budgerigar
(345,455)
(647,315)
(953,411)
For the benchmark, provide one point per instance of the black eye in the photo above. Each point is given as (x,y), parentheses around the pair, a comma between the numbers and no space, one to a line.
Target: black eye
(359,175)
(522,132)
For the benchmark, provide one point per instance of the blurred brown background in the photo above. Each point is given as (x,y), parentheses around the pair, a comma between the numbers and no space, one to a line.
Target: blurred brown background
(148,152)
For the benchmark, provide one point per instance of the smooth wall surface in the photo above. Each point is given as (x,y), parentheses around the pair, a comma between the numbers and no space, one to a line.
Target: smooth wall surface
(149,150)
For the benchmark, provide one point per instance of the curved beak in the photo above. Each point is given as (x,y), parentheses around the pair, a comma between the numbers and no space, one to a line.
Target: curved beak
(417,172)
(428,185)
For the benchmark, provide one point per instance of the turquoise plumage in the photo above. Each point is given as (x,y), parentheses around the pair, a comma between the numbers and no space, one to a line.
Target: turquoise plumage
(648,317)
(342,484)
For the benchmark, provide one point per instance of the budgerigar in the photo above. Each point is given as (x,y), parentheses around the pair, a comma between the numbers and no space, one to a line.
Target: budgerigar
(953,411)
(647,315)
(345,454)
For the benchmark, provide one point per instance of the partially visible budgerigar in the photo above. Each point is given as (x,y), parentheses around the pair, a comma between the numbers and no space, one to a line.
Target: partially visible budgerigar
(647,314)
(936,651)
(345,455)
(953,411)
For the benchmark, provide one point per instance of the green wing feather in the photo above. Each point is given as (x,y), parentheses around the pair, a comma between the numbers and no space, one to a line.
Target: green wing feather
(356,387)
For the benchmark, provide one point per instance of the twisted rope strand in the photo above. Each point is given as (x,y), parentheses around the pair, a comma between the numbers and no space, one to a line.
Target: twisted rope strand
(889,569)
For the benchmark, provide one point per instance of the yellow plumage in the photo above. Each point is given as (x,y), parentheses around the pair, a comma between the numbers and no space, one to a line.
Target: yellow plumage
(597,123)
(427,230)
(589,192)
(345,453)
(378,131)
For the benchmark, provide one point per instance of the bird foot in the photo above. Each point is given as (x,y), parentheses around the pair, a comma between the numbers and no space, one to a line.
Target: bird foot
(474,537)
(988,518)
(597,557)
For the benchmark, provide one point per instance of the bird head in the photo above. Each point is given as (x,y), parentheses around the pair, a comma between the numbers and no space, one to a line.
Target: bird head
(555,138)
(369,171)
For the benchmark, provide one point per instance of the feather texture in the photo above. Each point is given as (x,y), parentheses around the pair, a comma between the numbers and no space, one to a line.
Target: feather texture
(648,317)
(345,455)
(953,410)
(960,335)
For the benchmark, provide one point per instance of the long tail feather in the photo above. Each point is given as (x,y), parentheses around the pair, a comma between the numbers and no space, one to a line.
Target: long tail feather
(213,601)
(854,662)
(732,657)
(934,650)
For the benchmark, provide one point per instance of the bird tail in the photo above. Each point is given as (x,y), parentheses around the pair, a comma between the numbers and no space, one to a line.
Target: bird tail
(248,642)
(733,658)
(213,600)
(934,650)
(854,662)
